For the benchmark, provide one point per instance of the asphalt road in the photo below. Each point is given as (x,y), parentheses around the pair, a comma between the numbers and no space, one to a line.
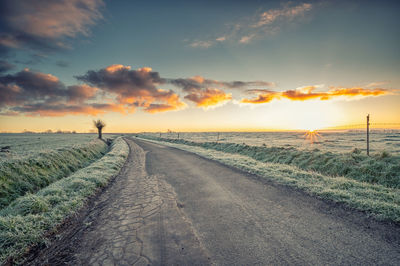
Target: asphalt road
(171,207)
(242,220)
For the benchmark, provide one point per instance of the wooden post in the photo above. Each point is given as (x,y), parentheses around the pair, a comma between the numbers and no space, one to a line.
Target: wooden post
(218,137)
(160,134)
(368,134)
(178,135)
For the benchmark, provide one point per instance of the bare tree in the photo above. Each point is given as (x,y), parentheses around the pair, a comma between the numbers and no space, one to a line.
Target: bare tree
(99,124)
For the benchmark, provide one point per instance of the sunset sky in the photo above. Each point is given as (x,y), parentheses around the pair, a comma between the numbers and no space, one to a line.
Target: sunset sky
(198,65)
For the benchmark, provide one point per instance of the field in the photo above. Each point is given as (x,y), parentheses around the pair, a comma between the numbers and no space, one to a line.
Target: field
(337,142)
(22,145)
(47,177)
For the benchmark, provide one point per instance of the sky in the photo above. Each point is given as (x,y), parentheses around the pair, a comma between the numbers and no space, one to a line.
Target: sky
(198,65)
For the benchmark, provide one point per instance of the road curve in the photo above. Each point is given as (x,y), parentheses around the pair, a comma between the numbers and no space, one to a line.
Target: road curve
(241,220)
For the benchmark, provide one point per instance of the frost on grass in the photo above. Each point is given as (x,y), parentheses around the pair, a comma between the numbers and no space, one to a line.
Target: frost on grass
(19,176)
(24,222)
(377,200)
(28,145)
(382,168)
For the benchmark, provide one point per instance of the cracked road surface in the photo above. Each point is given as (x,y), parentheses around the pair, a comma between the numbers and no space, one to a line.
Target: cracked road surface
(171,207)
(137,221)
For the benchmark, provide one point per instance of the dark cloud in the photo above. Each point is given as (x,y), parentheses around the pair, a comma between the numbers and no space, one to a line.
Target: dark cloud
(124,81)
(29,86)
(246,84)
(80,93)
(199,82)
(5,66)
(137,87)
(34,83)
(45,25)
(27,91)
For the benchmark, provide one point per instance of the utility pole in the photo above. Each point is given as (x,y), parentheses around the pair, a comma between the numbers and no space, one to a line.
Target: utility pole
(368,134)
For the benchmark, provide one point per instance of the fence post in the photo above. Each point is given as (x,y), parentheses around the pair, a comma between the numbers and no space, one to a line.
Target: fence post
(368,134)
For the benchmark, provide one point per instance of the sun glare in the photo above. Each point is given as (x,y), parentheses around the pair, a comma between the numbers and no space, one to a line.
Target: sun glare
(313,136)
(307,116)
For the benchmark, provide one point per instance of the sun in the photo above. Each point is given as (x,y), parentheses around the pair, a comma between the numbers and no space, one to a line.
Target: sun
(312,135)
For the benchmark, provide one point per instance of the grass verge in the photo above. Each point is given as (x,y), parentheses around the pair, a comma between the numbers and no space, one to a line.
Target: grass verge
(28,175)
(382,168)
(376,200)
(24,222)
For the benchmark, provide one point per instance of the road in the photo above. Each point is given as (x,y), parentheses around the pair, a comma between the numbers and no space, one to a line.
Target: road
(171,207)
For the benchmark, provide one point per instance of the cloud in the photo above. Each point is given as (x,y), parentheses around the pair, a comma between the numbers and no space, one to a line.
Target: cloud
(246,84)
(29,86)
(208,97)
(201,44)
(198,82)
(262,24)
(377,84)
(134,87)
(247,39)
(46,24)
(286,13)
(208,93)
(36,93)
(80,93)
(309,93)
(263,96)
(115,88)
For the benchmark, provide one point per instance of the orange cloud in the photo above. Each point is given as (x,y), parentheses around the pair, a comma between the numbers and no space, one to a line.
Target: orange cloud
(263,97)
(309,93)
(116,67)
(198,79)
(145,69)
(208,97)
(171,101)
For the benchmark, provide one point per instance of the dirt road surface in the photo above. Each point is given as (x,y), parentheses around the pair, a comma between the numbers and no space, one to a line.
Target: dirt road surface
(171,207)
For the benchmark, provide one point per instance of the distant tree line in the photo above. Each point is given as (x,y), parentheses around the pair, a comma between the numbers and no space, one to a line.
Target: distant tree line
(49,131)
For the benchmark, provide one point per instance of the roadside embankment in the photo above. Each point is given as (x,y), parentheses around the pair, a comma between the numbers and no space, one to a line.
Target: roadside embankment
(29,174)
(25,221)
